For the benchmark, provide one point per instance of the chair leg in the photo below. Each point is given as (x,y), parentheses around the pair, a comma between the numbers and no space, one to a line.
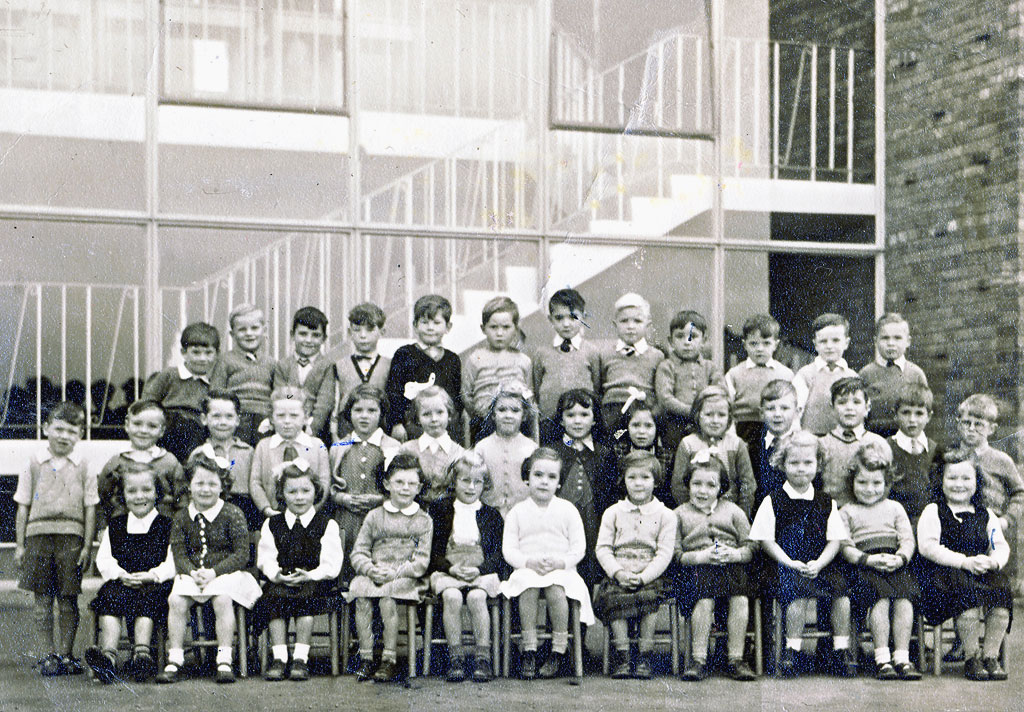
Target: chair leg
(428,636)
(410,622)
(495,632)
(919,629)
(332,631)
(937,649)
(758,639)
(506,636)
(344,622)
(673,624)
(577,642)
(243,644)
(605,650)
(776,637)
(263,644)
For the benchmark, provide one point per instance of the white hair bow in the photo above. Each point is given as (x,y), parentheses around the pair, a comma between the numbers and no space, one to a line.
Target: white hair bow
(300,463)
(221,462)
(414,388)
(635,394)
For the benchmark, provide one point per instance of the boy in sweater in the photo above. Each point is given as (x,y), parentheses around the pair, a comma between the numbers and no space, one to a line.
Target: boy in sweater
(840,444)
(247,370)
(745,381)
(814,381)
(682,375)
(888,372)
(916,459)
(308,368)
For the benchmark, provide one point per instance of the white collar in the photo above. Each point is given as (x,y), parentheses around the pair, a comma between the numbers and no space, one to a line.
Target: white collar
(575,342)
(210,451)
(408,511)
(906,443)
(44,454)
(143,456)
(210,513)
(587,442)
(376,437)
(641,346)
(305,518)
(461,506)
(901,362)
(186,375)
(428,443)
(858,432)
(793,494)
(769,436)
(644,509)
(822,365)
(770,363)
(302,439)
(141,525)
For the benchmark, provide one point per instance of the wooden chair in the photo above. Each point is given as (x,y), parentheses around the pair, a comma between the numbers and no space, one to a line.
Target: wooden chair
(575,633)
(754,634)
(671,638)
(429,641)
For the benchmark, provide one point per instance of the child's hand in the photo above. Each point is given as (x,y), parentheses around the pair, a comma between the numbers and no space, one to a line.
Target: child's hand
(812,569)
(19,555)
(203,576)
(84,557)
(1004,524)
(537,564)
(300,576)
(380,576)
(975,565)
(725,554)
(269,512)
(989,562)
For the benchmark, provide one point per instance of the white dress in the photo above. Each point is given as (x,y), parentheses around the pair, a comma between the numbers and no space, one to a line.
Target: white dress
(553,530)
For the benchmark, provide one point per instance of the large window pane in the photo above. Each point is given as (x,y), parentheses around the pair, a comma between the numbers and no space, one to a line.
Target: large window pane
(71,316)
(72,76)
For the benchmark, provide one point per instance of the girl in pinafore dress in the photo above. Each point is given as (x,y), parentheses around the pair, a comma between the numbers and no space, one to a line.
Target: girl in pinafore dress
(357,462)
(504,451)
(390,557)
(210,543)
(963,574)
(135,562)
(432,408)
(543,541)
(466,557)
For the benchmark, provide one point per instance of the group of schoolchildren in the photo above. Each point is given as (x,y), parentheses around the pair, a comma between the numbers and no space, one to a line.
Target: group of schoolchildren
(612,480)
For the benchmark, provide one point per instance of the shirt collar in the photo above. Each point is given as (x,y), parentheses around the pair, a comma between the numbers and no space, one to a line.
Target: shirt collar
(901,362)
(305,519)
(769,436)
(444,442)
(376,437)
(587,442)
(858,432)
(186,375)
(141,525)
(822,365)
(44,454)
(793,494)
(645,509)
(408,511)
(905,442)
(461,506)
(770,363)
(575,342)
(641,346)
(143,456)
(714,506)
(210,513)
(302,439)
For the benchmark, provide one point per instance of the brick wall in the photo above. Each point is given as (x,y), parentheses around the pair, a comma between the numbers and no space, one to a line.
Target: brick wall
(953,195)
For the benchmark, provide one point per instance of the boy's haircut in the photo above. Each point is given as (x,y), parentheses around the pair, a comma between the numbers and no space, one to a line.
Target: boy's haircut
(707,460)
(141,406)
(200,461)
(763,325)
(706,394)
(222,394)
(890,318)
(979,405)
(311,318)
(799,438)
(578,396)
(777,390)
(199,333)
(469,461)
(848,386)
(244,310)
(430,306)
(873,456)
(830,319)
(640,460)
(70,413)
(430,392)
(685,317)
(632,299)
(569,298)
(364,391)
(367,314)
(915,395)
(543,453)
(130,467)
(291,393)
(292,472)
(953,457)
(497,305)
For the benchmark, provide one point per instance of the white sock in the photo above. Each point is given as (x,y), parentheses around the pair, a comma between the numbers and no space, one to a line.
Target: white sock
(841,642)
(224,655)
(301,652)
(280,652)
(882,656)
(901,656)
(794,643)
(176,656)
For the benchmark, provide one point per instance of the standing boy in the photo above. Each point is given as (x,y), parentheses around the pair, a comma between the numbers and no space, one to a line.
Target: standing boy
(363,364)
(247,370)
(814,381)
(889,371)
(745,381)
(309,369)
(781,417)
(840,444)
(916,458)
(54,528)
(181,390)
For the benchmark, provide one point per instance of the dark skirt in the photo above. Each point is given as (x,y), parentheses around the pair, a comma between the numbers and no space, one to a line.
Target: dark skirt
(279,601)
(116,599)
(613,602)
(787,585)
(702,581)
(947,592)
(868,586)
